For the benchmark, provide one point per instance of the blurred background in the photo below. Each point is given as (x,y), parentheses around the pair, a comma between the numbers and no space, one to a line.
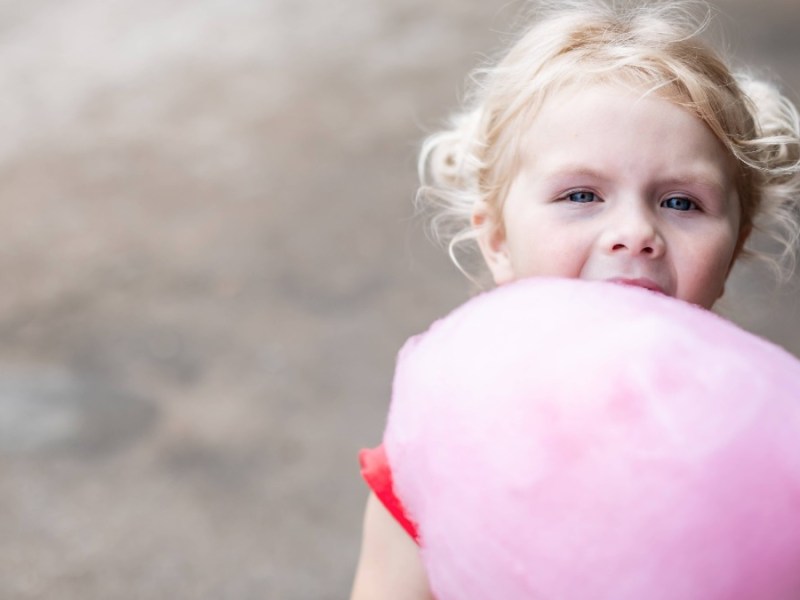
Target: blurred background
(208,262)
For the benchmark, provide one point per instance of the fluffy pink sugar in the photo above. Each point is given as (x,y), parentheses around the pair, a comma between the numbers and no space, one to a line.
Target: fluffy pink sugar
(560,440)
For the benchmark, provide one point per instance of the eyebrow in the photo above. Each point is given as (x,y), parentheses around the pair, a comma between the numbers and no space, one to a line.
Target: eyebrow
(695,178)
(577,170)
(700,180)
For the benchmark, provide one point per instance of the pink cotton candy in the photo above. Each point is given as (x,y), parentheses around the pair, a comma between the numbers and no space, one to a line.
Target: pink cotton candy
(571,440)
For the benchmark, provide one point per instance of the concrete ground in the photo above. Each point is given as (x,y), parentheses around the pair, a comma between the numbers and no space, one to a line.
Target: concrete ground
(209,260)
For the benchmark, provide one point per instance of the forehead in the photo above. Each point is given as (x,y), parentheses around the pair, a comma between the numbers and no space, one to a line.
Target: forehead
(605,125)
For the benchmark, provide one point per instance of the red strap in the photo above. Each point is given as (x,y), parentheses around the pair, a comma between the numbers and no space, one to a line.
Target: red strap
(377,473)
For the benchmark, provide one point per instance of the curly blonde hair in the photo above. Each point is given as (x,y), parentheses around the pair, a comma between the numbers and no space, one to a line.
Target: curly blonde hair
(656,47)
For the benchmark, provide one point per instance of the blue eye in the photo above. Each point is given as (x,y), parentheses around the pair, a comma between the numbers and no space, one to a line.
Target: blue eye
(582,197)
(679,203)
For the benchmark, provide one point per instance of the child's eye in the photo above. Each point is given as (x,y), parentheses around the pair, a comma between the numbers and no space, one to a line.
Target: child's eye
(582,197)
(679,203)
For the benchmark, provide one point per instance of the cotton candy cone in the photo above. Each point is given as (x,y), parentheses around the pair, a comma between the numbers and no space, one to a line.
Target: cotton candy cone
(570,440)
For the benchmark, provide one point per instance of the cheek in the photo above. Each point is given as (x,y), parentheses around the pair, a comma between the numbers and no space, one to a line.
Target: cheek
(725,254)
(705,271)
(543,243)
(544,254)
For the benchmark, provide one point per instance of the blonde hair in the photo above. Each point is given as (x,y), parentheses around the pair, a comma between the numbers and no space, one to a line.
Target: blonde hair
(655,47)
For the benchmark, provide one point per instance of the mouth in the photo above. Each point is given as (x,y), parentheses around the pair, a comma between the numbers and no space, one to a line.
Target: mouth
(641,282)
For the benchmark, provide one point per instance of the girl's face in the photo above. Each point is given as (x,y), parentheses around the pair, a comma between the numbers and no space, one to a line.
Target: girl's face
(615,186)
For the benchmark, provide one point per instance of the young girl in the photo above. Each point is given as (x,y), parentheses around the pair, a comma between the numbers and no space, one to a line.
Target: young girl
(609,143)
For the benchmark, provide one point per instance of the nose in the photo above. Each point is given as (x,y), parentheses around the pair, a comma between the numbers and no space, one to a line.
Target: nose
(633,232)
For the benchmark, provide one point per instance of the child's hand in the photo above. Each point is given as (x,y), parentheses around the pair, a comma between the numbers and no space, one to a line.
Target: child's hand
(390,567)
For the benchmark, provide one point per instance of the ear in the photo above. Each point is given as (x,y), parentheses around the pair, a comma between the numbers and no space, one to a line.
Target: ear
(492,242)
(744,235)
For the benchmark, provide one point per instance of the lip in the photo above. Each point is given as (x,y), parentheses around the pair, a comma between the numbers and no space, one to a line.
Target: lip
(641,282)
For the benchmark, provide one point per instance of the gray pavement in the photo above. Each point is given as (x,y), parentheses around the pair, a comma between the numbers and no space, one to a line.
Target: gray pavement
(209,260)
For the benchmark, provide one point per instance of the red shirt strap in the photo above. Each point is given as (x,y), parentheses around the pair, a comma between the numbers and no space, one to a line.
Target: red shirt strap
(377,473)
